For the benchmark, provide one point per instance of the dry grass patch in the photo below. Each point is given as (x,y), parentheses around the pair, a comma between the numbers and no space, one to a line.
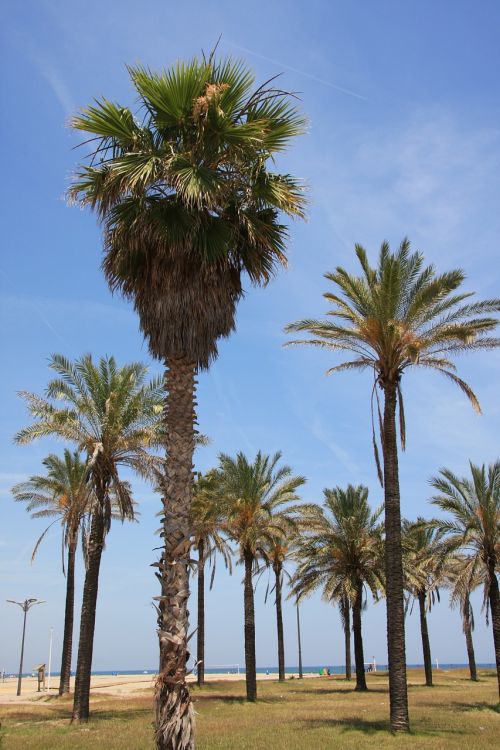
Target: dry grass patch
(295,715)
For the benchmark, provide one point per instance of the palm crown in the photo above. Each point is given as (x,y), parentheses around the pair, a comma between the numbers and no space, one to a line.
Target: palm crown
(186,199)
(341,547)
(474,527)
(257,497)
(110,413)
(401,315)
(63,493)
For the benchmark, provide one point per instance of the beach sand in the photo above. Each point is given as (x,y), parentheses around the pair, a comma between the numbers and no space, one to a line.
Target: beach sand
(126,684)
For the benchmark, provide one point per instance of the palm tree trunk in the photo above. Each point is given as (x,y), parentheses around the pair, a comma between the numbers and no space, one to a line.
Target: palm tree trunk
(299,643)
(174,717)
(87,620)
(495,616)
(250,662)
(358,641)
(346,622)
(467,626)
(200,636)
(279,624)
(426,646)
(64,682)
(398,692)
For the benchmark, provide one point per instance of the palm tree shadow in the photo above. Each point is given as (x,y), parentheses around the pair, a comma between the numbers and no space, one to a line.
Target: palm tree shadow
(232,699)
(339,691)
(348,724)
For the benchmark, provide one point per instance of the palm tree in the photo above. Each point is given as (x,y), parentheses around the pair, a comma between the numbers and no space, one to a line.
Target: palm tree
(188,206)
(257,497)
(112,415)
(207,512)
(341,553)
(474,505)
(423,560)
(63,494)
(462,577)
(393,317)
(277,552)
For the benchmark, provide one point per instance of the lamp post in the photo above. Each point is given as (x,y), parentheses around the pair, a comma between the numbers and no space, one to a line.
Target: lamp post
(301,674)
(25,606)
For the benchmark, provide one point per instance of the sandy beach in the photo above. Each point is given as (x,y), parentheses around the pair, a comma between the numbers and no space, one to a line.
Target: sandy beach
(126,684)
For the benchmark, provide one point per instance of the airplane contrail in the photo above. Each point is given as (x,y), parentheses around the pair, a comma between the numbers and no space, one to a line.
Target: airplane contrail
(331,85)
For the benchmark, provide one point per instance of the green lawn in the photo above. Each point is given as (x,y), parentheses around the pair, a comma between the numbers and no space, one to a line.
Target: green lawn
(313,713)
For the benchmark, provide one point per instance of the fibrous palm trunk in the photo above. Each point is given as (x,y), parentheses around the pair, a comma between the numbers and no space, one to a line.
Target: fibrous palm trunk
(250,662)
(398,691)
(494,599)
(87,620)
(358,640)
(424,632)
(346,623)
(64,682)
(279,624)
(299,642)
(467,626)
(200,636)
(174,721)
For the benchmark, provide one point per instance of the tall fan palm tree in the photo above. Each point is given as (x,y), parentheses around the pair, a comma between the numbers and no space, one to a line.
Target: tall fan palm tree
(341,552)
(188,206)
(65,495)
(463,575)
(393,317)
(423,565)
(474,529)
(112,415)
(208,518)
(257,497)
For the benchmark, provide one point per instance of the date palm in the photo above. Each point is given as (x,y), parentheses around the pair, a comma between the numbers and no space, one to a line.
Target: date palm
(341,553)
(393,317)
(474,529)
(257,497)
(63,494)
(423,566)
(112,415)
(207,519)
(188,207)
(463,576)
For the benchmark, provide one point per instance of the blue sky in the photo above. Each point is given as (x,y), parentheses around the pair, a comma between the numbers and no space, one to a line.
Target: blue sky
(403,103)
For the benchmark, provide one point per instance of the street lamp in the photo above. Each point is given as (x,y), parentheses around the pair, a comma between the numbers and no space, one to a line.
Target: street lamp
(25,606)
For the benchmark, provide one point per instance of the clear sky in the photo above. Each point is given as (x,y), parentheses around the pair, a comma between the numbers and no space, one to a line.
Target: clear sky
(404,139)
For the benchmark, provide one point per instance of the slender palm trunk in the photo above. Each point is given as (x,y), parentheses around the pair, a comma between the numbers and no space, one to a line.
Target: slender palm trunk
(424,632)
(200,636)
(299,643)
(398,691)
(467,626)
(358,640)
(87,620)
(250,663)
(279,624)
(174,718)
(68,619)
(494,598)
(346,622)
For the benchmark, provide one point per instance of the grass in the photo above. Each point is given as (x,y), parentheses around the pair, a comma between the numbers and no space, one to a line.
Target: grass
(295,715)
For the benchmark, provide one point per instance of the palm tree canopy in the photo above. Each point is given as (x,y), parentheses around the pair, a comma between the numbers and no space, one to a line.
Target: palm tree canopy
(63,494)
(186,198)
(207,513)
(109,413)
(258,499)
(399,315)
(424,559)
(474,527)
(341,546)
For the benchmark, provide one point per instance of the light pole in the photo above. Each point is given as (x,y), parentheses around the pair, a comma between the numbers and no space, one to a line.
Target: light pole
(25,606)
(301,674)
